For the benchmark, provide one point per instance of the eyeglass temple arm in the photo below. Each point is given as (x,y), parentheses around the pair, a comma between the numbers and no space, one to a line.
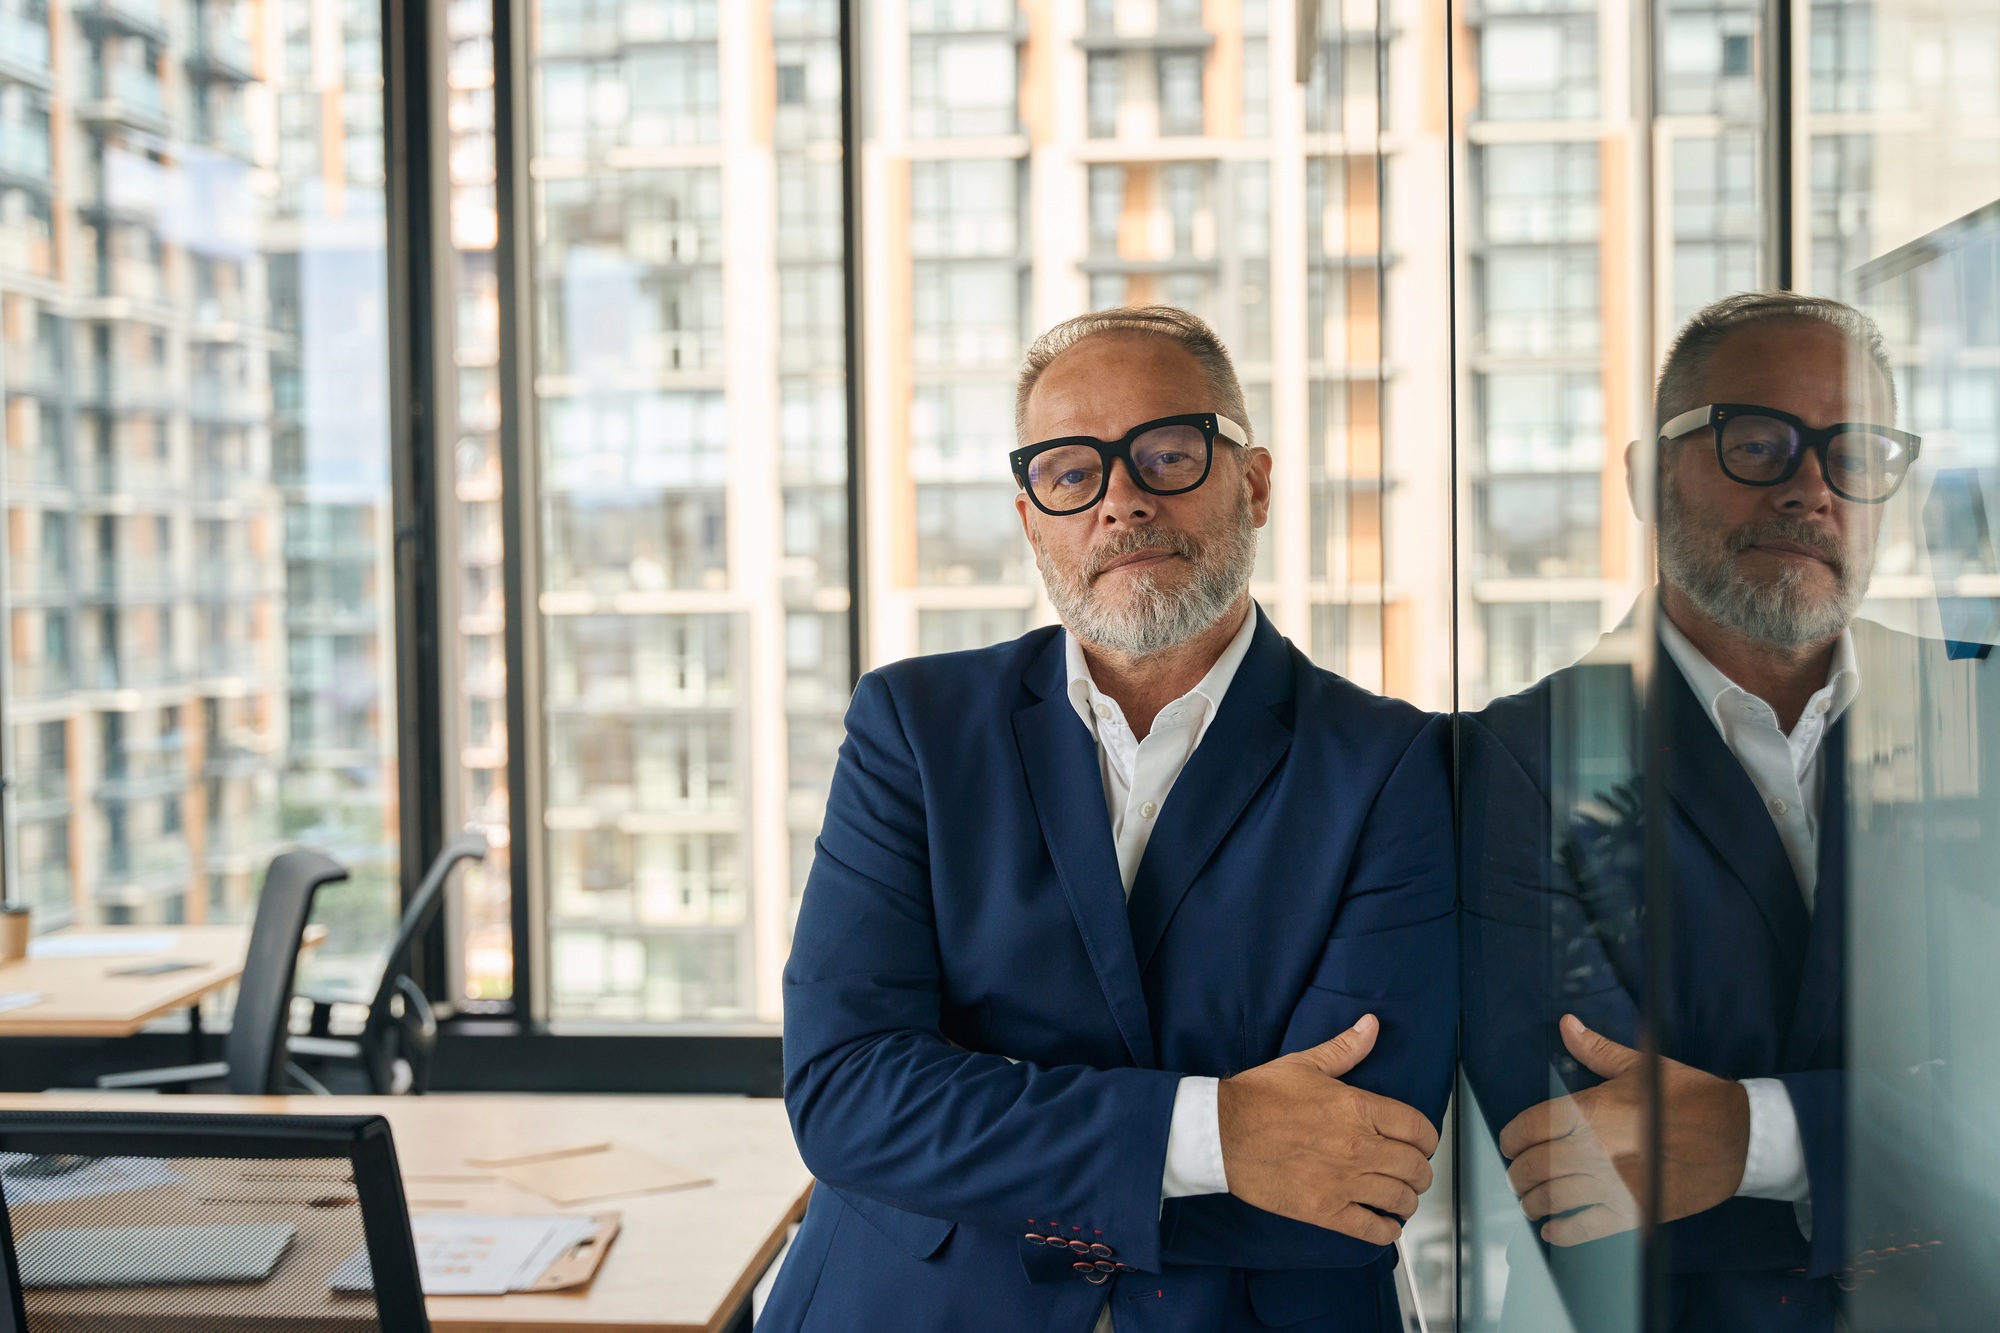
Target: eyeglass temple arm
(1229,430)
(1692,419)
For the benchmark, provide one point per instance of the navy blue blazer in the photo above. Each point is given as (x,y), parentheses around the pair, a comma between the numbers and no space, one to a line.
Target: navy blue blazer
(965,905)
(1553,847)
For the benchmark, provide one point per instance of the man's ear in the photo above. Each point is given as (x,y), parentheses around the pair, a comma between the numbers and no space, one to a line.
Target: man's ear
(1257,475)
(1027,519)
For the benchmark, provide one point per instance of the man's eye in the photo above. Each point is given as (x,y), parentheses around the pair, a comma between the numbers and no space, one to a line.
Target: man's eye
(1073,477)
(1167,459)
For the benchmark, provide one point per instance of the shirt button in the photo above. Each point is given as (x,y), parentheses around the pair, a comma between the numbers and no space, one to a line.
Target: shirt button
(1778,806)
(1104,710)
(1148,810)
(1823,706)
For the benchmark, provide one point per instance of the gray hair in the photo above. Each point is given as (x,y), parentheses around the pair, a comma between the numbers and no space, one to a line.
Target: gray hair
(1158,321)
(1680,386)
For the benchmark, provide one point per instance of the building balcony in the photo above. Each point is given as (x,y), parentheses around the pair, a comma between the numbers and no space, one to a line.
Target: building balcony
(127,97)
(123,579)
(24,49)
(24,156)
(40,795)
(154,868)
(219,55)
(132,671)
(135,476)
(44,468)
(143,18)
(1172,25)
(40,680)
(144,777)
(213,400)
(234,578)
(33,578)
(32,369)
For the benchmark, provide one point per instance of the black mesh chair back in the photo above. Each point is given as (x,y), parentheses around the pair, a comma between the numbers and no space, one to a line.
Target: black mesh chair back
(131,1222)
(255,1047)
(401,1025)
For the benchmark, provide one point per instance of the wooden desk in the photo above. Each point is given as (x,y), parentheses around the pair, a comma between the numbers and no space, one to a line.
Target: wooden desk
(81,999)
(684,1260)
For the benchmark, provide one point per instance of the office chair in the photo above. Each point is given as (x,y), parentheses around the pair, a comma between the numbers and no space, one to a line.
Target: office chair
(134,1220)
(393,1053)
(253,1054)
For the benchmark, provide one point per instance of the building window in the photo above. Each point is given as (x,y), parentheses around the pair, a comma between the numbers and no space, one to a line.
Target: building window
(1540,68)
(962,86)
(1541,300)
(1539,192)
(1542,421)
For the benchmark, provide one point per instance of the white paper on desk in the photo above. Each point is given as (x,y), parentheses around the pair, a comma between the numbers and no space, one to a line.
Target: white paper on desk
(476,1254)
(63,944)
(106,1175)
(18,999)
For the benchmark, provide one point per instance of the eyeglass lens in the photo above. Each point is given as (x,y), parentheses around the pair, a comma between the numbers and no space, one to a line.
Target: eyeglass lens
(1859,463)
(1166,459)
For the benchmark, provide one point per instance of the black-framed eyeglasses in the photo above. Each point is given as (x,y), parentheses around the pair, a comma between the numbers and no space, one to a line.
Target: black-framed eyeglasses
(1170,456)
(1761,446)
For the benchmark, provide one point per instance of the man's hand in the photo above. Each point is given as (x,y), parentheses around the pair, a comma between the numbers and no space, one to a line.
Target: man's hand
(1580,1161)
(1298,1142)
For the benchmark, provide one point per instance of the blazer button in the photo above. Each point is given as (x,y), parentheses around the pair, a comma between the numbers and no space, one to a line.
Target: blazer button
(1105,1266)
(1080,1247)
(1034,1239)
(1125,1268)
(1101,1251)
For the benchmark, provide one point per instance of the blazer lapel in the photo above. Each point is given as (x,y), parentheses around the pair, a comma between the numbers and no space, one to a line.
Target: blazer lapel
(1710,786)
(1826,947)
(1243,743)
(1067,789)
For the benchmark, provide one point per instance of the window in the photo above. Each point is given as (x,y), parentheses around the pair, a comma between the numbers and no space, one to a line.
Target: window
(1716,228)
(1539,526)
(1542,421)
(691,461)
(1539,192)
(1538,68)
(962,86)
(1541,300)
(196,426)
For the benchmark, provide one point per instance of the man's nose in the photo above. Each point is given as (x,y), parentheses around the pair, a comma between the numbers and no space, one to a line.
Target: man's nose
(1807,492)
(1124,501)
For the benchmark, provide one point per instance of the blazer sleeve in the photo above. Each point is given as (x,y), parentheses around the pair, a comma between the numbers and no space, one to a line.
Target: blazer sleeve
(882,1105)
(1819,1099)
(1392,952)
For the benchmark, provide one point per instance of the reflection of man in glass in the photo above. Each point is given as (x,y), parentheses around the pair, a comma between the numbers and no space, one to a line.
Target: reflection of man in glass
(1774,459)
(1068,887)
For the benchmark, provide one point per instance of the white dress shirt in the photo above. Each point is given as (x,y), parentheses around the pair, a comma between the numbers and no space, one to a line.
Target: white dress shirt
(1138,774)
(1790,774)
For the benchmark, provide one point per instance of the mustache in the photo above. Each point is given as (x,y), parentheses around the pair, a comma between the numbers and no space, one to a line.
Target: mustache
(1809,535)
(1136,540)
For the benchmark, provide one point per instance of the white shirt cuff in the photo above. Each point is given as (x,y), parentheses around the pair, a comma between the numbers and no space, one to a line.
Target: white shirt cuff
(1194,1142)
(1775,1166)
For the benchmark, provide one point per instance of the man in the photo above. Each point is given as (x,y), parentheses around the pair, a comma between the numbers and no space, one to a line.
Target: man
(1069,886)
(1769,502)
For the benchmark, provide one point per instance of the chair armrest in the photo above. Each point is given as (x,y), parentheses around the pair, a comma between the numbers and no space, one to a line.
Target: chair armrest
(174,1076)
(324,1048)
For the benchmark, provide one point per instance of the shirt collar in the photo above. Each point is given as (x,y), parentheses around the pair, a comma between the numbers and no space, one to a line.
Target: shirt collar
(1084,695)
(1712,688)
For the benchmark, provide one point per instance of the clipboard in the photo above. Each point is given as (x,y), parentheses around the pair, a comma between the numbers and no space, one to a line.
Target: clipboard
(576,1266)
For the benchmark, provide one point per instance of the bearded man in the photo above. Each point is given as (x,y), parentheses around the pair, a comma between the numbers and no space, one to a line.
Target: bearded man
(1123,989)
(1774,461)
